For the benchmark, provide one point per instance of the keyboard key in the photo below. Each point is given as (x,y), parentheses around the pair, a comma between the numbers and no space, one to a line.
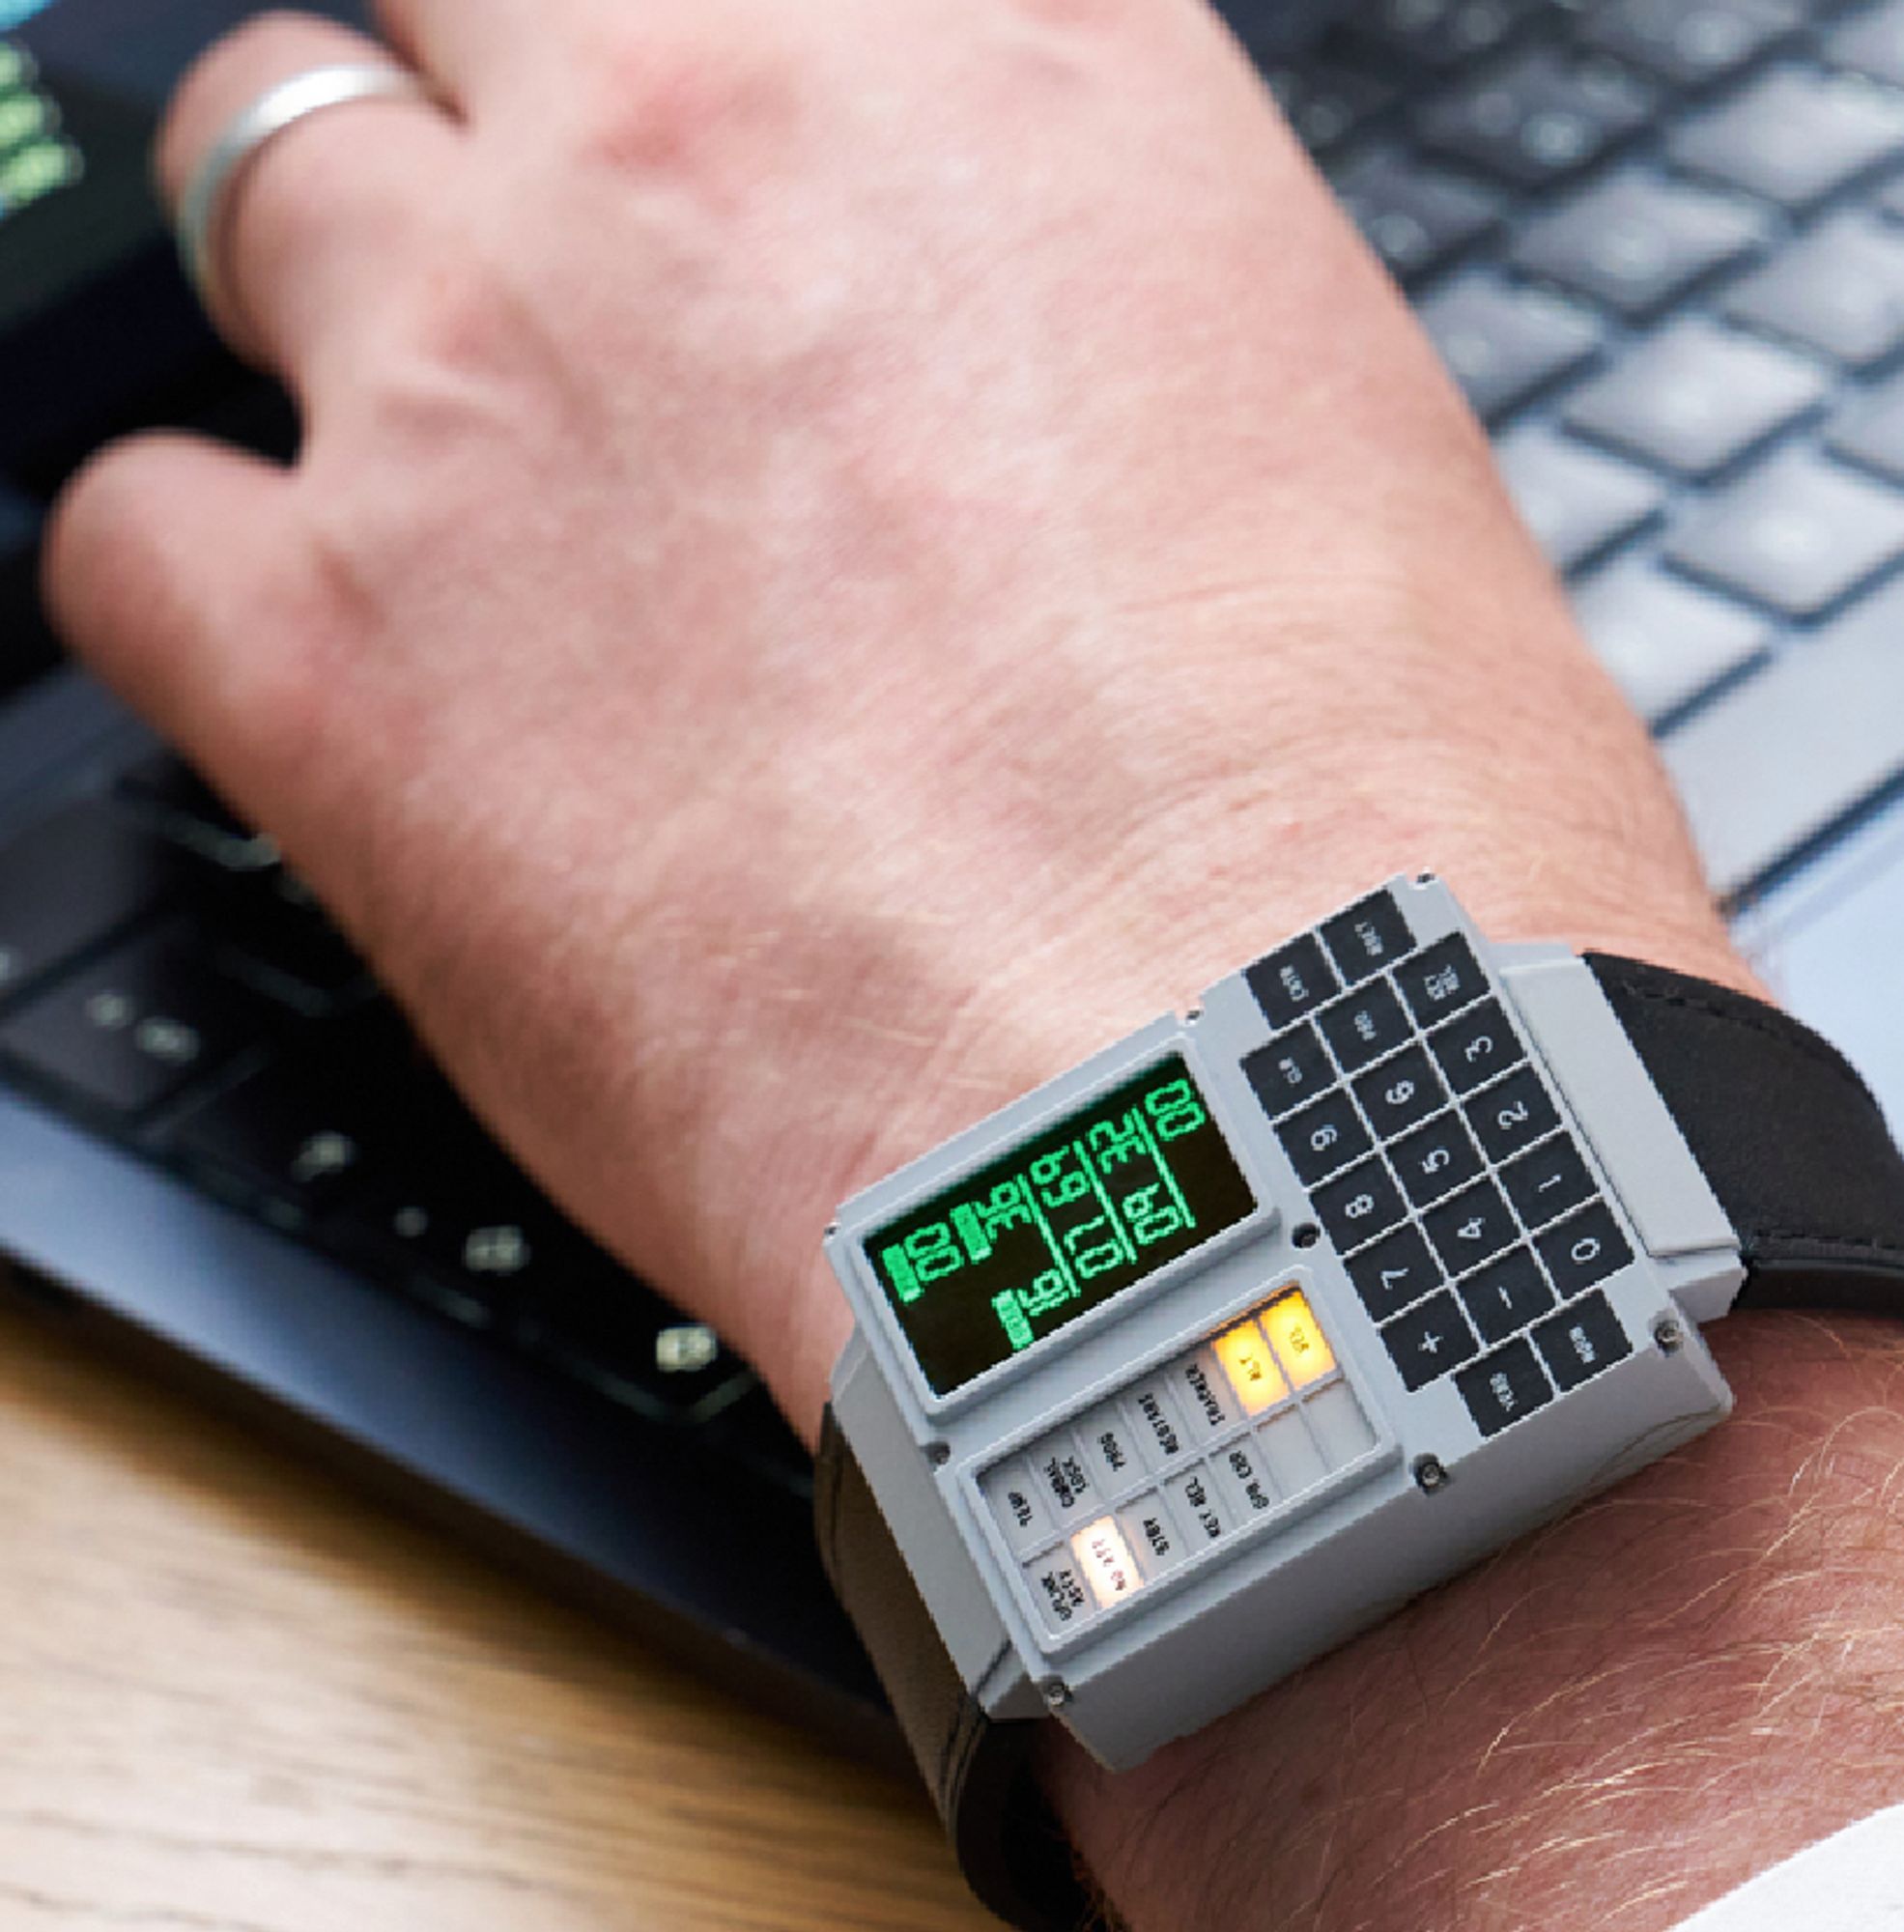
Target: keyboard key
(1323,1137)
(1358,1206)
(1581,1341)
(1799,533)
(1546,1181)
(1477,1046)
(1370,935)
(1361,1028)
(1687,41)
(1440,33)
(1513,1115)
(1695,396)
(1502,343)
(1397,1271)
(1786,753)
(166,788)
(1838,289)
(1667,641)
(1870,429)
(1583,1249)
(1471,1228)
(1443,980)
(1506,1296)
(1872,43)
(1429,1340)
(1415,217)
(1793,137)
(70,880)
(1576,502)
(1502,1388)
(1326,101)
(1540,118)
(1290,1069)
(269,930)
(1435,1160)
(1292,981)
(293,1130)
(1634,243)
(138,1026)
(1400,1092)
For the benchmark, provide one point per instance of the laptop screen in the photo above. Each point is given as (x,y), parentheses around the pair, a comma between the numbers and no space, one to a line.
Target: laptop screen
(81,86)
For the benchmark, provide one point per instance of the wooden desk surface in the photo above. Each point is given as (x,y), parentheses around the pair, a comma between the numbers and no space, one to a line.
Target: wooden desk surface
(234,1697)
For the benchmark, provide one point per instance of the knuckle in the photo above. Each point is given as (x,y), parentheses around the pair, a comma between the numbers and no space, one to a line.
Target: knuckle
(676,100)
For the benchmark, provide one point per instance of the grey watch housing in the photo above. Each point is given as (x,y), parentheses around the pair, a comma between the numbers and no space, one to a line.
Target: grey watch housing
(1141,1517)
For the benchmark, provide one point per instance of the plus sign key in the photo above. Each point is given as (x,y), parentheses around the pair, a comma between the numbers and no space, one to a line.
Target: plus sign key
(1431,1339)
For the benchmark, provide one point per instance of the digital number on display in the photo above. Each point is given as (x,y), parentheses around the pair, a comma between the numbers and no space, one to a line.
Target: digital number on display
(1097,1203)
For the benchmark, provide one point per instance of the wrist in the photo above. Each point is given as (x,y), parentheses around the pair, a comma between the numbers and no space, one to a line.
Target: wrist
(1570,1735)
(1001,1039)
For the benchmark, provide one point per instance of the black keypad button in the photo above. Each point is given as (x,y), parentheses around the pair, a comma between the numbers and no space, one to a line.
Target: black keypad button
(1396,1271)
(1435,1160)
(1358,1206)
(1581,1341)
(1442,981)
(1290,1069)
(1506,1296)
(1583,1249)
(1472,1227)
(1546,1181)
(1475,1047)
(1364,1026)
(1513,1115)
(1429,1340)
(1502,1388)
(1323,1138)
(1367,937)
(1400,1092)
(1292,981)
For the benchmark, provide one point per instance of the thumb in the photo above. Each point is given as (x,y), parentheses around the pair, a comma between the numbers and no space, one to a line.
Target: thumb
(174,568)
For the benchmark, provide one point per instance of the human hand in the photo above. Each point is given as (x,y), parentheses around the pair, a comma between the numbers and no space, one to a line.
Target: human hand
(841,556)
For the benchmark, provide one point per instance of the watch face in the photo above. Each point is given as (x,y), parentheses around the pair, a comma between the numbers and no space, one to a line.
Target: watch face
(1089,1206)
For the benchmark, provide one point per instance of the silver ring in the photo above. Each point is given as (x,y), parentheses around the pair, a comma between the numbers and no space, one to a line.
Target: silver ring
(206,204)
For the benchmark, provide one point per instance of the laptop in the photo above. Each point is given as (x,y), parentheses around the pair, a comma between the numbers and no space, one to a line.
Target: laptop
(1660,245)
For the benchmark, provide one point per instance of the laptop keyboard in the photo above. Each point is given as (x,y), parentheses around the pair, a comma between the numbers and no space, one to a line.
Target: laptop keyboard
(1661,246)
(167,982)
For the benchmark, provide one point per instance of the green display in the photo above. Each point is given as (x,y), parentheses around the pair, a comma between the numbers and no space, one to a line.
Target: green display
(1095,1204)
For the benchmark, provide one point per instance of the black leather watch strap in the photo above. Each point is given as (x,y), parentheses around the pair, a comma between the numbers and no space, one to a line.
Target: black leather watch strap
(1794,1145)
(981,1774)
(1799,1155)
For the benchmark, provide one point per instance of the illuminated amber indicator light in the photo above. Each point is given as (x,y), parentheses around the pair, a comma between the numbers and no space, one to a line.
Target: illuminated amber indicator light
(1250,1368)
(1299,1340)
(1105,1558)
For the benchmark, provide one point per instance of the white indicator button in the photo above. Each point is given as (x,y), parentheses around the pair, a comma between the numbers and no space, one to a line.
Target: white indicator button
(1150,1530)
(1153,1420)
(1204,1395)
(1014,1501)
(1300,1343)
(1245,1473)
(1254,1377)
(1063,1483)
(1340,1426)
(1203,1513)
(1110,1450)
(1105,1558)
(1059,1590)
(1289,1450)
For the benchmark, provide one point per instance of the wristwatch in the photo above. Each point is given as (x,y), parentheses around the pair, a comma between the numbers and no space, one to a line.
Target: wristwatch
(1185,1367)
